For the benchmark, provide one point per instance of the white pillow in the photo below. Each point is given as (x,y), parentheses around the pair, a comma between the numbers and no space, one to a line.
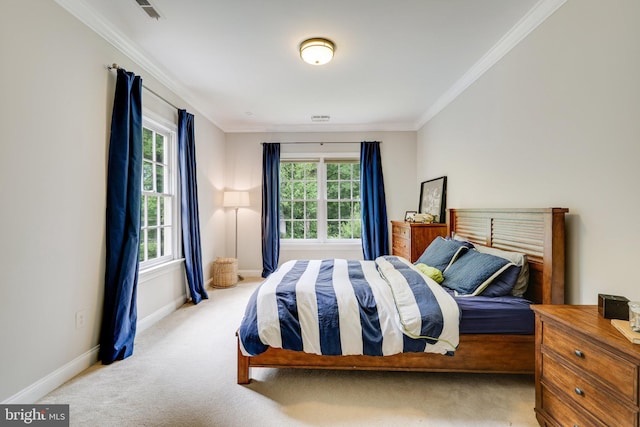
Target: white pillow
(518,259)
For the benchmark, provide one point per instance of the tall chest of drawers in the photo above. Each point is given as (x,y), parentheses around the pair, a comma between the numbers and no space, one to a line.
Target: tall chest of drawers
(410,239)
(587,373)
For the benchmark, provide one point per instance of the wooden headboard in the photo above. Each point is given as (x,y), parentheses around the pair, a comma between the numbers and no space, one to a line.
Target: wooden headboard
(539,233)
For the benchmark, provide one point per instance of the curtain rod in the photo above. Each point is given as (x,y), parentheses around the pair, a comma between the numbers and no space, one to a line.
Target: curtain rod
(115,66)
(315,142)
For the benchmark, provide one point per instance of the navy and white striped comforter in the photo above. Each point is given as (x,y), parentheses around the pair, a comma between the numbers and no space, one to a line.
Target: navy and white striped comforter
(347,307)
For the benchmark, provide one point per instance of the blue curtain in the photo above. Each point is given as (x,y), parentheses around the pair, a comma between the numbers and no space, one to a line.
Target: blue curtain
(119,315)
(375,240)
(270,207)
(189,206)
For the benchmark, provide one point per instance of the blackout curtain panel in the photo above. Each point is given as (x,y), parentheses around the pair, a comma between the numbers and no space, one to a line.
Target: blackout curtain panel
(119,316)
(270,207)
(189,207)
(375,240)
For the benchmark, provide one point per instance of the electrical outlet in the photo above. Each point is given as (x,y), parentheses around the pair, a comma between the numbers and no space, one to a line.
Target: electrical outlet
(80,319)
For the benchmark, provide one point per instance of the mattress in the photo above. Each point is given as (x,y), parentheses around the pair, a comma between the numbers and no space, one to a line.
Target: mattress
(496,315)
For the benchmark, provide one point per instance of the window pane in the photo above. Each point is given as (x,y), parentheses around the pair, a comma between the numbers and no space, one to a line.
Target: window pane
(152,211)
(298,170)
(345,171)
(298,210)
(356,190)
(333,230)
(333,210)
(285,190)
(160,178)
(312,230)
(312,190)
(285,171)
(345,189)
(298,229)
(152,241)
(346,229)
(332,171)
(159,148)
(298,190)
(357,229)
(345,210)
(147,143)
(143,218)
(161,242)
(141,256)
(311,171)
(286,210)
(285,229)
(356,172)
(332,190)
(312,210)
(163,202)
(147,176)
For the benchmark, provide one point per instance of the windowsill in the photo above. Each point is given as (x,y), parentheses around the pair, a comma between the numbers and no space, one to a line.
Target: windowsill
(151,273)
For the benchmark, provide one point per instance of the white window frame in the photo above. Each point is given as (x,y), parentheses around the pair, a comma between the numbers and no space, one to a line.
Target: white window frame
(322,239)
(169,130)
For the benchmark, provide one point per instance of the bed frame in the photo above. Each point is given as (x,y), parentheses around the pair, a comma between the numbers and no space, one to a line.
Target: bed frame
(540,233)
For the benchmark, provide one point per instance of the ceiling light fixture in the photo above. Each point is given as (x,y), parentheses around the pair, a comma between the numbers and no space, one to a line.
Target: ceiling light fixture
(317,51)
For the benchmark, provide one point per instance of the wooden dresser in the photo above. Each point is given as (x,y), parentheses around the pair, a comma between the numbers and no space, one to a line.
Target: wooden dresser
(586,370)
(409,240)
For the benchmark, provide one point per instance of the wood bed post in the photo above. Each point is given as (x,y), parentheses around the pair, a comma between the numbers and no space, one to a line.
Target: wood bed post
(243,367)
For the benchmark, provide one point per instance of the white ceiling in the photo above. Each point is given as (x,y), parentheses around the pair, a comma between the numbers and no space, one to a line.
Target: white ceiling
(397,63)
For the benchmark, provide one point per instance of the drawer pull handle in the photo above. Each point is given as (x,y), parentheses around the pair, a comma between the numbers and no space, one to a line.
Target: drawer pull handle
(579,353)
(579,391)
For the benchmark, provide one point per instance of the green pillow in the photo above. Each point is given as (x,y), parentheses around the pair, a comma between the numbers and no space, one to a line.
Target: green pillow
(432,272)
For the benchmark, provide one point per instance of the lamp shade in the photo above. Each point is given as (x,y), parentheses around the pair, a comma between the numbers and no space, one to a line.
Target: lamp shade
(317,51)
(235,199)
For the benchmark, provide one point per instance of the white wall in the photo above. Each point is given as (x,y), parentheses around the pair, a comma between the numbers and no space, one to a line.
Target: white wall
(243,172)
(55,114)
(556,123)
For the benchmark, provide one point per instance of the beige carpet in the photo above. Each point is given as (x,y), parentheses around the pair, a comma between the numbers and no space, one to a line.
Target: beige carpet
(183,373)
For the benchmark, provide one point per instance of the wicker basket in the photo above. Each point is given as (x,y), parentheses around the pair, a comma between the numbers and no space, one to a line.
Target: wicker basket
(225,272)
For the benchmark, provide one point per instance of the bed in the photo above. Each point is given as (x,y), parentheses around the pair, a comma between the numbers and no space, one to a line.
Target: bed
(538,233)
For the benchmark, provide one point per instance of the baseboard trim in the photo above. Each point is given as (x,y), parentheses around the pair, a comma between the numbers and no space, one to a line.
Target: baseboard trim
(250,273)
(56,378)
(156,316)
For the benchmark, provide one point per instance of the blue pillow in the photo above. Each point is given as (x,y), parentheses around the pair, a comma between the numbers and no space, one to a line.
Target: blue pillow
(440,253)
(504,283)
(473,271)
(461,242)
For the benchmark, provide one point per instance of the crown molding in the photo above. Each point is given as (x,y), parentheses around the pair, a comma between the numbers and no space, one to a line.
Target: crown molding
(536,16)
(375,127)
(107,31)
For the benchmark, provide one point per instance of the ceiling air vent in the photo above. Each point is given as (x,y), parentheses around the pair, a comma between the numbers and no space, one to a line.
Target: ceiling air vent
(320,118)
(148,8)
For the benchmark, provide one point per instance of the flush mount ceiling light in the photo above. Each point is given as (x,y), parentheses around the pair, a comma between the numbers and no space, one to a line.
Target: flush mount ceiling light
(316,51)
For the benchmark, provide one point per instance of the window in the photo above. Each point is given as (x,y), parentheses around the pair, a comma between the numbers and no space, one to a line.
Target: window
(320,199)
(158,213)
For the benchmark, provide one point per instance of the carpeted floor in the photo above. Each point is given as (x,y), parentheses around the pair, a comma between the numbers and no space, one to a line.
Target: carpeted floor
(183,373)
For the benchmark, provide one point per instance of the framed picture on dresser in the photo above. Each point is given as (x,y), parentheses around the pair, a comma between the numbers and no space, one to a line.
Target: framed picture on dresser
(433,198)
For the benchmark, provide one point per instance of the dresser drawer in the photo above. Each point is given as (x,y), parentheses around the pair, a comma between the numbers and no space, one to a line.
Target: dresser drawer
(401,247)
(617,373)
(564,415)
(400,231)
(572,386)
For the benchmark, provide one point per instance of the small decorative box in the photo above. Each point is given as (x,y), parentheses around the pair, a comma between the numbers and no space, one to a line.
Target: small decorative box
(613,306)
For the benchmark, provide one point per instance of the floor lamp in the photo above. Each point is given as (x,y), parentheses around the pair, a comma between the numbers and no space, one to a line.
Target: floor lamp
(236,199)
